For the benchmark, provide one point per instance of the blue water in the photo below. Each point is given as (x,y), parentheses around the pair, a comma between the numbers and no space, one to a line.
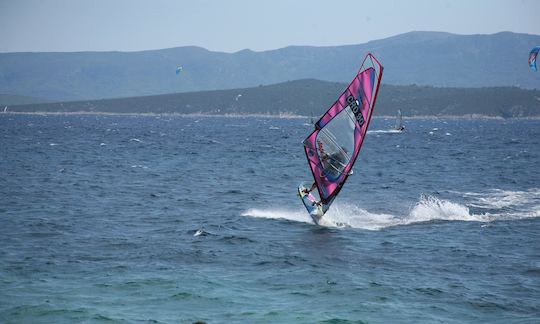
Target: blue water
(98,216)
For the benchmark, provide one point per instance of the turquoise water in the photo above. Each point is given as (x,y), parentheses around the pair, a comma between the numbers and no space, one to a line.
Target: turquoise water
(99,216)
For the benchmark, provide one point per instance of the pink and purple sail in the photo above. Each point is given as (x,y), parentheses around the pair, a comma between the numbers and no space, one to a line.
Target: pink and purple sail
(334,145)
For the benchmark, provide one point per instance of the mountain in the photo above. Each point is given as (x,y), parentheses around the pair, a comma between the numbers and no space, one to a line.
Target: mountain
(7,100)
(421,58)
(313,97)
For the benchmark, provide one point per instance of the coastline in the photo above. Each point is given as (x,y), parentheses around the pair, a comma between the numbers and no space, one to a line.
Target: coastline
(284,115)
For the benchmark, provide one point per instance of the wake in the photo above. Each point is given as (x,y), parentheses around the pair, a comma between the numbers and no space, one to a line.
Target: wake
(385,131)
(517,205)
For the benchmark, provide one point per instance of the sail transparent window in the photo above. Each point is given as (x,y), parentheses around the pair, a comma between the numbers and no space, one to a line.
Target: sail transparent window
(335,143)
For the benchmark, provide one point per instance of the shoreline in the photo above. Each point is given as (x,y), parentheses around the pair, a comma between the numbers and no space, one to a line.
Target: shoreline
(280,115)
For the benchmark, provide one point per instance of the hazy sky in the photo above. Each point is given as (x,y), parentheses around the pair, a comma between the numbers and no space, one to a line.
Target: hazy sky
(232,25)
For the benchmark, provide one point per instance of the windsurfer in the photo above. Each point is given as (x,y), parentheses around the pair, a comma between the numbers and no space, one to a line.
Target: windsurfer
(333,164)
(307,191)
(337,129)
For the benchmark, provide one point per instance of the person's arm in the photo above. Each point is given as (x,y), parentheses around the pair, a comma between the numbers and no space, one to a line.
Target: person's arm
(310,189)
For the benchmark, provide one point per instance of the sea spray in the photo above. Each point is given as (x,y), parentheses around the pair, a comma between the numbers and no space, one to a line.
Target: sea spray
(426,209)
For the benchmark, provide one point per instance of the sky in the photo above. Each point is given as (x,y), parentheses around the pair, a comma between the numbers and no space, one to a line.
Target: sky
(233,25)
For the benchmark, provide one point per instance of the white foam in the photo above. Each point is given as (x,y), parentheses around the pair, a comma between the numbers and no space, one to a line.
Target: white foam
(430,208)
(348,215)
(426,209)
(299,215)
(199,232)
(384,131)
(139,166)
(497,199)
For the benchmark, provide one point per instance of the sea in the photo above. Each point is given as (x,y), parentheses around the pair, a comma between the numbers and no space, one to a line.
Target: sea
(184,219)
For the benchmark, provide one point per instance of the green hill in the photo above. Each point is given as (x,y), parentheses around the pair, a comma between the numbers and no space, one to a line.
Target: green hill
(7,100)
(306,97)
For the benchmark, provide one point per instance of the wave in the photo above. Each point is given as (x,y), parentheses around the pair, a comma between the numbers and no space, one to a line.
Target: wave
(385,131)
(498,199)
(426,209)
(299,215)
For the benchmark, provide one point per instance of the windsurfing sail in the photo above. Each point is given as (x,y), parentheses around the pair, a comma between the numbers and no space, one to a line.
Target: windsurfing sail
(399,121)
(532,57)
(333,147)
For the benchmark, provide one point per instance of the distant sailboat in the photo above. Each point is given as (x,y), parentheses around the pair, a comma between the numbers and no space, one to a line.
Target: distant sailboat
(5,109)
(399,122)
(311,121)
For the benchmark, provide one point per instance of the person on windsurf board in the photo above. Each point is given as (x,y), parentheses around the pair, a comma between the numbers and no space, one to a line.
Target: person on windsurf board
(340,130)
